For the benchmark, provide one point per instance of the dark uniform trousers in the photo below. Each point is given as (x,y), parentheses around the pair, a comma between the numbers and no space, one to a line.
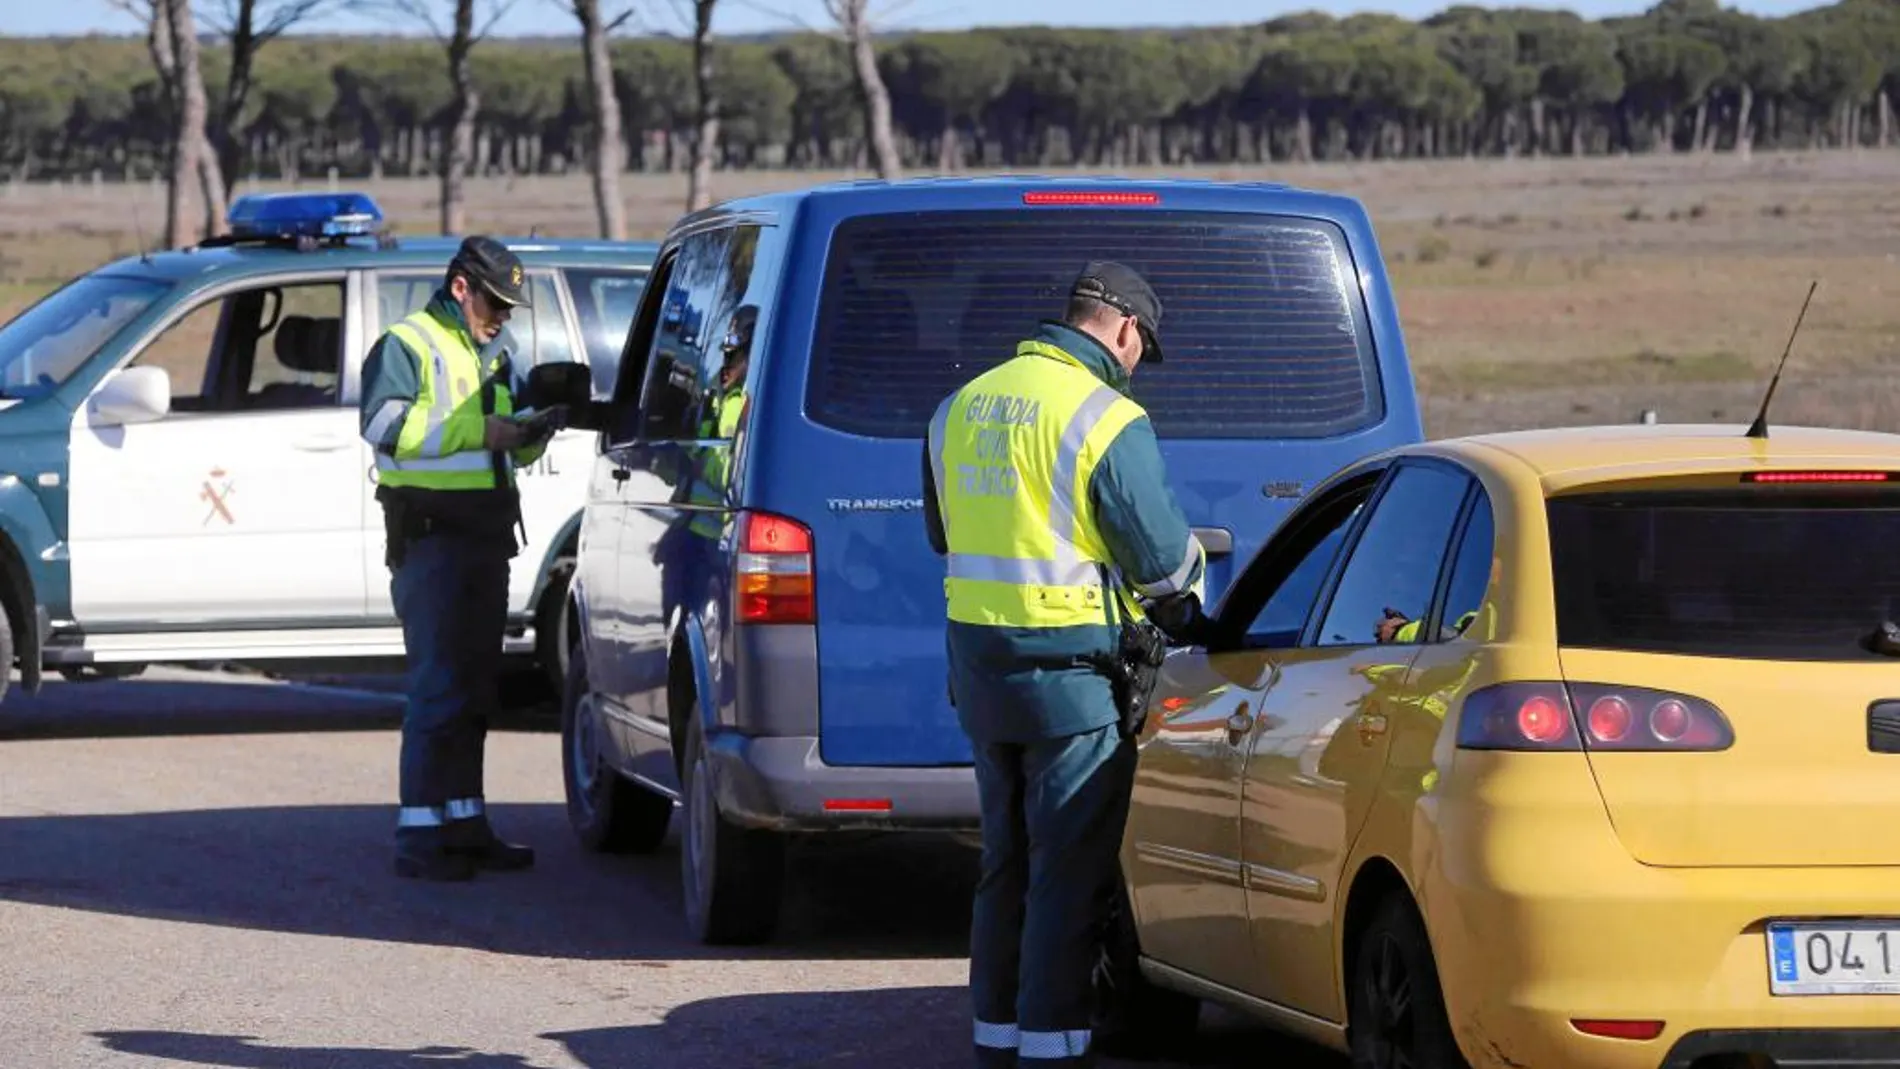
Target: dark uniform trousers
(1053,812)
(451,593)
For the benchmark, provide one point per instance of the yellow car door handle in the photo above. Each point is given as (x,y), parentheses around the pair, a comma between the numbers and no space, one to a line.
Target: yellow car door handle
(1371,724)
(1239,724)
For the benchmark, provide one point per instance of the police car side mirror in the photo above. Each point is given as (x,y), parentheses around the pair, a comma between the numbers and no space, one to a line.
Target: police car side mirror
(132,395)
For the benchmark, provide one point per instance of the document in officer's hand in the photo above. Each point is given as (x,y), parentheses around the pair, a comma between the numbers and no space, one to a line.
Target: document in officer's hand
(543,423)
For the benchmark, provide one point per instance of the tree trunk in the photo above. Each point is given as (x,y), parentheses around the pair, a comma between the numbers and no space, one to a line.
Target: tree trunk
(194,154)
(705,110)
(1701,124)
(237,88)
(608,145)
(1744,133)
(873,97)
(949,154)
(462,109)
(160,42)
(191,84)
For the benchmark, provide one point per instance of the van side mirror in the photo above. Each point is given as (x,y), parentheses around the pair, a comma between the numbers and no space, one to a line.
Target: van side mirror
(565,382)
(132,395)
(562,382)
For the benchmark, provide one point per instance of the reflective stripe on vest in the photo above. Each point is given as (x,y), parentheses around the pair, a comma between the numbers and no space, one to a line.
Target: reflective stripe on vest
(449,376)
(1013,453)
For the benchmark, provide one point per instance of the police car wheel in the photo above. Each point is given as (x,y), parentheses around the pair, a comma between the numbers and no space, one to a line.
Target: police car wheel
(731,875)
(608,812)
(1395,1009)
(1134,1017)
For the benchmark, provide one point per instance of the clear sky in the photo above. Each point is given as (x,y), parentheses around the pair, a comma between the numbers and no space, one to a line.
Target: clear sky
(38,17)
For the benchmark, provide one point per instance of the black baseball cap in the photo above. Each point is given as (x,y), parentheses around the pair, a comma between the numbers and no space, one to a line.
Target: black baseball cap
(489,262)
(1122,288)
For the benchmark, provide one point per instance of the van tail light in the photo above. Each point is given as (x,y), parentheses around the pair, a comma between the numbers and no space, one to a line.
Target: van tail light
(1592,716)
(1089,197)
(772,570)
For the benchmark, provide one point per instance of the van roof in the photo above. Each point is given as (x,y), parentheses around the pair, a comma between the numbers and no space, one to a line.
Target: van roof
(932,193)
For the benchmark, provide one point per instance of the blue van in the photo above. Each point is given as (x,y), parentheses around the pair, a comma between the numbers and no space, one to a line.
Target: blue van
(757,615)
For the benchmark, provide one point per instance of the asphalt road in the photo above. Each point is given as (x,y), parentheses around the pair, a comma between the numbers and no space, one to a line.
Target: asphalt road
(194,870)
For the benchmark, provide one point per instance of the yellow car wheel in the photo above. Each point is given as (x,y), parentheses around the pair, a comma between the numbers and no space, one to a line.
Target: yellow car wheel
(1395,1015)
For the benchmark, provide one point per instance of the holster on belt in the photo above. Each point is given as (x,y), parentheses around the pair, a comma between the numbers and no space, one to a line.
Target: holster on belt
(410,515)
(1135,666)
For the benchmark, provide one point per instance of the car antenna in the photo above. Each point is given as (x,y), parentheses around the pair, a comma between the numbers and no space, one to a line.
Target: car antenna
(1759,429)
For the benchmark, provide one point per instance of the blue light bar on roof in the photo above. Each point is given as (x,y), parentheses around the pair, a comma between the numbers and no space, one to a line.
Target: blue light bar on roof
(312,215)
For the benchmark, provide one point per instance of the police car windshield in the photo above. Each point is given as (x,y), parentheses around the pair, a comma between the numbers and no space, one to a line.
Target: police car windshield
(46,344)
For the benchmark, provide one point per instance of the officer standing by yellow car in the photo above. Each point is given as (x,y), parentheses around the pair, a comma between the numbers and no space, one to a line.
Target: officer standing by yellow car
(1044,488)
(440,418)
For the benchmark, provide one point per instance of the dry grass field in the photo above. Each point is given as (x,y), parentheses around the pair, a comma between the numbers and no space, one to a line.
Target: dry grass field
(1533,292)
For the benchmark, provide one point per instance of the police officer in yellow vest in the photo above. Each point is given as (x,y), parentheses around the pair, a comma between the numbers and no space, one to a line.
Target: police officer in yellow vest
(440,417)
(1044,489)
(719,422)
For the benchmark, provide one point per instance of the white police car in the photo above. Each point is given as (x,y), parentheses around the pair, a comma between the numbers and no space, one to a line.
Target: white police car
(182,477)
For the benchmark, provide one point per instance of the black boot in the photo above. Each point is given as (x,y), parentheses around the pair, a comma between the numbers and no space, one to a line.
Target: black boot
(474,840)
(423,854)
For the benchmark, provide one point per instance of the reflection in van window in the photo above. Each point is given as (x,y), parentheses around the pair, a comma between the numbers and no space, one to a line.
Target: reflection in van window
(1262,326)
(687,367)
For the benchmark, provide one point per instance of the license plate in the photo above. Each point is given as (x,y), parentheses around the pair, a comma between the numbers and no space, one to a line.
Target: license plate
(1834,958)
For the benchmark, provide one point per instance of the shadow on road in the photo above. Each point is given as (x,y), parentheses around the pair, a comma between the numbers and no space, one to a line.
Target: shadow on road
(219,705)
(325,870)
(245,1052)
(891,1028)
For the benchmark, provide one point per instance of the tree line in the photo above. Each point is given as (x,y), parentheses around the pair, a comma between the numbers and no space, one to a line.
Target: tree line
(1685,76)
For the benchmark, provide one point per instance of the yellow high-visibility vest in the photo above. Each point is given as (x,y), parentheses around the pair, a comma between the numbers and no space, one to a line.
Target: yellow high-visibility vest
(440,444)
(709,489)
(1013,453)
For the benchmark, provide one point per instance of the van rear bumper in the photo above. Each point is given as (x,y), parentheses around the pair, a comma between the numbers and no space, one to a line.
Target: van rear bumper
(783,784)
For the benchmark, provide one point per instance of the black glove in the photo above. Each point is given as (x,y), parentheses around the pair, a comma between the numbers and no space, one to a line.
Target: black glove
(1181,619)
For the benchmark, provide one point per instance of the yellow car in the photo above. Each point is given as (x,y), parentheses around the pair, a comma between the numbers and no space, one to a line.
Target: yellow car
(1567,748)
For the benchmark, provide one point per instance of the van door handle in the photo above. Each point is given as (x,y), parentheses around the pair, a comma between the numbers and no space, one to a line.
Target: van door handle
(320,443)
(621,475)
(1218,541)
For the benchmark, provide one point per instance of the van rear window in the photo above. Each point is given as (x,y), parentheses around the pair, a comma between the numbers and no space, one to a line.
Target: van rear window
(1765,573)
(1264,331)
